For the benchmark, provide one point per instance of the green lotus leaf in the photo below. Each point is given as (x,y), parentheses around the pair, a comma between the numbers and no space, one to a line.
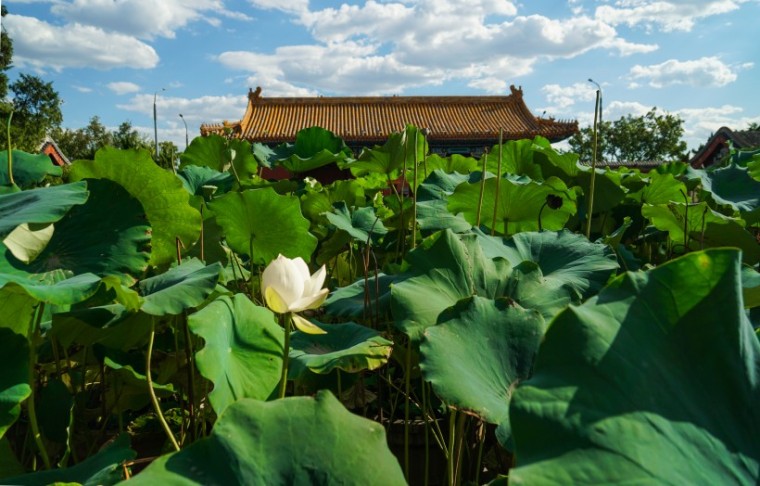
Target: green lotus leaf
(315,147)
(349,347)
(159,191)
(734,186)
(389,158)
(620,386)
(14,376)
(26,242)
(516,159)
(9,464)
(663,189)
(128,385)
(751,287)
(63,292)
(28,169)
(112,326)
(505,340)
(203,181)
(265,222)
(315,203)
(452,163)
(445,269)
(565,258)
(242,355)
(359,223)
(180,288)
(107,235)
(222,155)
(299,440)
(432,203)
(706,228)
(43,205)
(349,301)
(104,468)
(520,201)
(54,410)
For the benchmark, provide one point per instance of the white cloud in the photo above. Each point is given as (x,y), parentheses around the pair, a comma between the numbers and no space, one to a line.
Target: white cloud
(562,97)
(45,46)
(140,18)
(680,15)
(293,6)
(123,87)
(700,123)
(703,72)
(82,89)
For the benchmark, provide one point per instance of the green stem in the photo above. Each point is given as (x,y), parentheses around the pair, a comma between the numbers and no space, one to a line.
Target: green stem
(540,211)
(482,187)
(498,180)
(593,168)
(340,385)
(191,376)
(10,150)
(414,198)
(452,440)
(427,432)
(461,420)
(288,321)
(407,388)
(151,391)
(481,443)
(34,338)
(250,250)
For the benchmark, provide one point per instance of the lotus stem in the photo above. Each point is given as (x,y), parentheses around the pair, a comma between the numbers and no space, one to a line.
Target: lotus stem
(593,167)
(451,451)
(151,391)
(250,253)
(403,186)
(427,431)
(34,337)
(287,322)
(498,181)
(190,377)
(479,460)
(540,211)
(340,385)
(203,257)
(482,186)
(685,223)
(414,197)
(407,389)
(461,420)
(10,152)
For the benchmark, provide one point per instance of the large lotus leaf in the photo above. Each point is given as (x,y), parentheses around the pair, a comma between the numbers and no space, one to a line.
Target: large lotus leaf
(432,202)
(751,287)
(478,353)
(113,326)
(315,203)
(733,186)
(516,159)
(104,468)
(265,222)
(299,440)
(390,158)
(565,258)
(204,181)
(705,227)
(43,205)
(63,292)
(349,301)
(107,235)
(349,347)
(314,147)
(653,381)
(222,155)
(663,188)
(242,355)
(28,169)
(359,223)
(444,270)
(159,191)
(452,163)
(519,204)
(753,167)
(180,288)
(54,406)
(14,375)
(26,242)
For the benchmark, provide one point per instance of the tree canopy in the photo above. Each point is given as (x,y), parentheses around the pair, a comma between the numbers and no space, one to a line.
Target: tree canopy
(653,136)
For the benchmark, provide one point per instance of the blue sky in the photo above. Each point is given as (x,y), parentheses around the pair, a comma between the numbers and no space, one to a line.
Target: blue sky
(699,59)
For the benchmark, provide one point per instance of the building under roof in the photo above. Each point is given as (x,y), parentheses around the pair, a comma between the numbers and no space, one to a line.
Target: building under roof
(717,147)
(455,124)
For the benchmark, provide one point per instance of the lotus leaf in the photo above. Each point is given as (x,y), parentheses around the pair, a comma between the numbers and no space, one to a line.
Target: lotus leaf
(359,223)
(203,181)
(432,203)
(265,223)
(14,376)
(298,440)
(54,407)
(733,186)
(43,205)
(315,147)
(242,355)
(222,155)
(655,380)
(349,301)
(478,352)
(390,158)
(160,192)
(28,169)
(349,347)
(180,288)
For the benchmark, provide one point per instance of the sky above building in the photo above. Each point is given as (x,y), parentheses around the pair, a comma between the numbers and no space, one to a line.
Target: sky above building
(697,59)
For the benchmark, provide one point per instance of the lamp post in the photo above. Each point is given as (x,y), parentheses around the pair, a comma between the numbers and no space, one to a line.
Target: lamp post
(155,121)
(599,103)
(597,122)
(183,121)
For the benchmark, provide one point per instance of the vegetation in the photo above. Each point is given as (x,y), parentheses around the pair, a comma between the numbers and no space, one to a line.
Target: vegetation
(651,137)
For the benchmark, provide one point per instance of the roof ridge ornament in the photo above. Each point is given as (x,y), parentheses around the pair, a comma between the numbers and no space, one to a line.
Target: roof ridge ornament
(516,91)
(254,95)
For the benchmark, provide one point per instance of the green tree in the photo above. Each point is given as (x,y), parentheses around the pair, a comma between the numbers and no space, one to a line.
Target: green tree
(168,154)
(127,137)
(653,136)
(82,143)
(36,112)
(753,126)
(6,55)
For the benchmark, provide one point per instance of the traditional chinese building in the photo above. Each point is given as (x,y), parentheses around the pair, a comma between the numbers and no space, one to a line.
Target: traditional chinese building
(455,124)
(717,147)
(51,149)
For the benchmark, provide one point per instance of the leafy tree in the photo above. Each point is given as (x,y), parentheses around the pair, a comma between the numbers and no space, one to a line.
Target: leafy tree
(127,137)
(36,112)
(653,136)
(6,54)
(168,154)
(753,126)
(82,143)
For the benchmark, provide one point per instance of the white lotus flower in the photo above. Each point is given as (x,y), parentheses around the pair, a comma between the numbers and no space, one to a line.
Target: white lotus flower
(288,287)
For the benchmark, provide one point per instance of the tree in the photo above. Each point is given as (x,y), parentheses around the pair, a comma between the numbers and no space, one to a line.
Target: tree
(754,126)
(6,54)
(82,143)
(653,136)
(168,155)
(126,137)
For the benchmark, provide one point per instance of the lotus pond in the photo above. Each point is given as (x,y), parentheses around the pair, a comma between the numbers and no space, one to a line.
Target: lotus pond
(412,319)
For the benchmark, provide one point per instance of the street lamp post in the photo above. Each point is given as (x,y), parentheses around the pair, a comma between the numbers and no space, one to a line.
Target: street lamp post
(594,155)
(183,121)
(599,104)
(155,121)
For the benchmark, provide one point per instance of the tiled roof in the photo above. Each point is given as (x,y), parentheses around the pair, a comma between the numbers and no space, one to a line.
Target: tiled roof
(716,147)
(373,119)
